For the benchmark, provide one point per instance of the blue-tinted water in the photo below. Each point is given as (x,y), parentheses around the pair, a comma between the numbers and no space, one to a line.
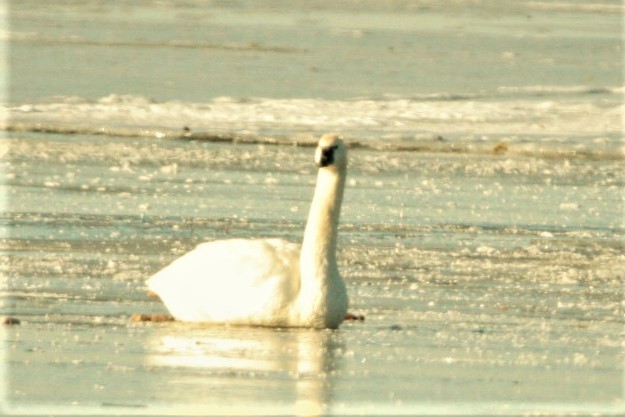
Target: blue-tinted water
(482,229)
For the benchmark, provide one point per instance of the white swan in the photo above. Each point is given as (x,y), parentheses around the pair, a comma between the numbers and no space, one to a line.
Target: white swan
(268,282)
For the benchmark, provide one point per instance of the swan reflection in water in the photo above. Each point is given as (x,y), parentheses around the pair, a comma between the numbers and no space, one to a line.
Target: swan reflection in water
(241,370)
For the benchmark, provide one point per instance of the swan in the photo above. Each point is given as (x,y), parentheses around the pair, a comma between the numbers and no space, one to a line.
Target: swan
(268,282)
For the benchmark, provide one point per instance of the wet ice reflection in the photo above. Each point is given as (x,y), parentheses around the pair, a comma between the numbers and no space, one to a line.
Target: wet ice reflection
(291,367)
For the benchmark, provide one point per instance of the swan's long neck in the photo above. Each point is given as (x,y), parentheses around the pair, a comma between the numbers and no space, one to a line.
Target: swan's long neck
(318,255)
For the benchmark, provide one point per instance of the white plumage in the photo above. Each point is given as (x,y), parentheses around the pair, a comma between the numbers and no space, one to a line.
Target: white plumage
(268,282)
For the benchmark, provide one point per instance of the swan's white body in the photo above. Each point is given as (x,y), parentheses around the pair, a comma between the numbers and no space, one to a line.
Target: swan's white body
(268,282)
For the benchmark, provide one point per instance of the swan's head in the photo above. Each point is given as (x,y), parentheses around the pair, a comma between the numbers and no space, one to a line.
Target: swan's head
(331,152)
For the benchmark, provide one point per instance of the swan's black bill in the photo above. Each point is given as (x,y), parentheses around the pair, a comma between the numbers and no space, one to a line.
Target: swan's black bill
(327,156)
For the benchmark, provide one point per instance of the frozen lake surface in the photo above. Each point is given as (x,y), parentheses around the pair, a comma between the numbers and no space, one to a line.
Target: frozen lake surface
(488,283)
(482,232)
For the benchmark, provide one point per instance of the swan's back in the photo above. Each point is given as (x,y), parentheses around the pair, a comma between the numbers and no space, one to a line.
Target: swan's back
(236,281)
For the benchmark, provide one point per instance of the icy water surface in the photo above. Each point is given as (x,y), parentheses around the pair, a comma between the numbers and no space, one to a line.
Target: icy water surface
(482,229)
(488,283)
